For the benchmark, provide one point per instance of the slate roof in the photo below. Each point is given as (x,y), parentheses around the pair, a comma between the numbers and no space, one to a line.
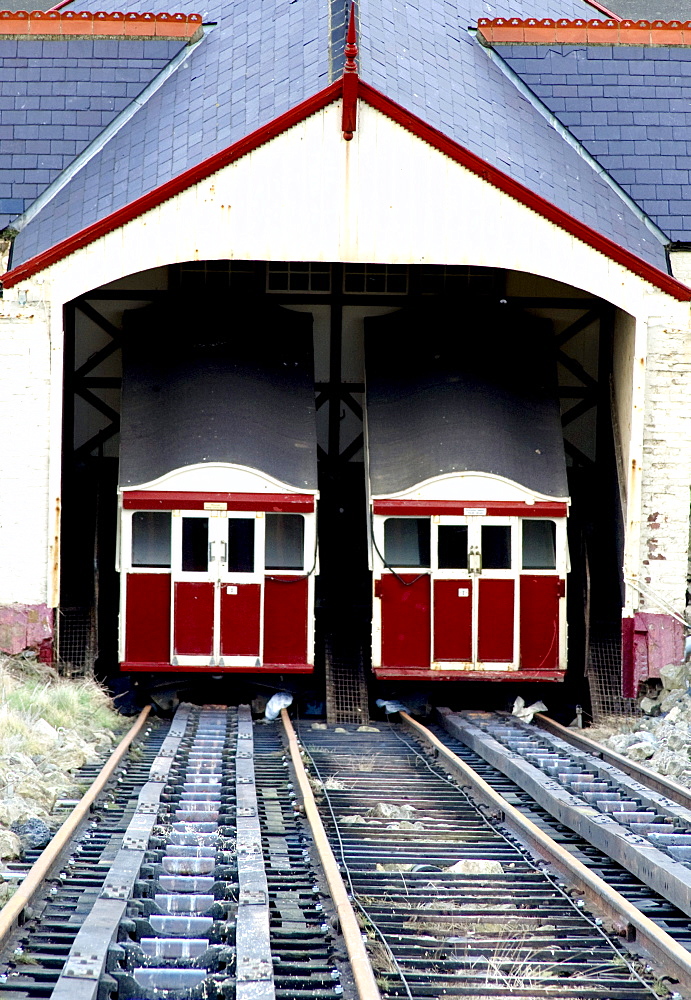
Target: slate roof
(422,56)
(631,109)
(259,60)
(55,97)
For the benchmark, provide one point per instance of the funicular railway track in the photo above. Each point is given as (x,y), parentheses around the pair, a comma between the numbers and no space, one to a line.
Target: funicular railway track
(202,882)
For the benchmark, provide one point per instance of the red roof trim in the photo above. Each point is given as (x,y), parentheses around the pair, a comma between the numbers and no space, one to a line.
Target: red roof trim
(83,23)
(614,31)
(172,187)
(523,194)
(416,126)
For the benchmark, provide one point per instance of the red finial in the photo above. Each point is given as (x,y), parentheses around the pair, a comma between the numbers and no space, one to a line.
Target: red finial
(350,79)
(351,43)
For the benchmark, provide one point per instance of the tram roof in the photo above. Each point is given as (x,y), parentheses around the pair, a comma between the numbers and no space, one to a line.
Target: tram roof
(255,63)
(199,387)
(478,395)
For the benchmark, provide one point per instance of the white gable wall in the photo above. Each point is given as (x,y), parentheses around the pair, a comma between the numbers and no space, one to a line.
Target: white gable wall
(384,197)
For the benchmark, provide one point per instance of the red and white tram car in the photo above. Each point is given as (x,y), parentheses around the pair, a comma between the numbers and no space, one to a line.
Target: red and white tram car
(468,499)
(218,493)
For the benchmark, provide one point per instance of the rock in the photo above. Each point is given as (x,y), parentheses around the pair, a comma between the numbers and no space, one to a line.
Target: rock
(318,725)
(675,676)
(640,751)
(350,820)
(33,833)
(36,791)
(367,729)
(670,699)
(651,706)
(7,891)
(677,741)
(340,729)
(47,731)
(476,867)
(16,809)
(10,844)
(674,714)
(388,810)
(622,741)
(394,868)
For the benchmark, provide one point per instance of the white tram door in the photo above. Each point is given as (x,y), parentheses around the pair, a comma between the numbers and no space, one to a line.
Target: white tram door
(475,591)
(217,580)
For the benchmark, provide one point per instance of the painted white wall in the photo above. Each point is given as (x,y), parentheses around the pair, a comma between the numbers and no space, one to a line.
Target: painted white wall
(360,201)
(30,362)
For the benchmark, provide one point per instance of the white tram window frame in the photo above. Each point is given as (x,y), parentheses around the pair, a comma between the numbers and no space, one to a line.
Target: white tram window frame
(562,567)
(380,538)
(126,533)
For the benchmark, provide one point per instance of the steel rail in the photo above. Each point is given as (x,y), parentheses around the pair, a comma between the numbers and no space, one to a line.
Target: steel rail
(12,911)
(657,782)
(363,973)
(661,948)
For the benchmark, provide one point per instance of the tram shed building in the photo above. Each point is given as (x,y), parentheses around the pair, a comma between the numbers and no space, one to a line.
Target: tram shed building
(445,160)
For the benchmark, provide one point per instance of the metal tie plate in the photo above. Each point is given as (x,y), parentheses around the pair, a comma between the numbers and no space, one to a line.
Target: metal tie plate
(115,889)
(79,966)
(255,970)
(252,897)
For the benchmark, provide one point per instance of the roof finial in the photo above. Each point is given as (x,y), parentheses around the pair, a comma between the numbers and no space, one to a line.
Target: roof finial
(351,43)
(350,79)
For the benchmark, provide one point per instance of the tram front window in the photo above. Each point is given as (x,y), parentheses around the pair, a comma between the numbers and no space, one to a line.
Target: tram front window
(240,545)
(496,546)
(452,546)
(539,544)
(406,542)
(151,539)
(195,544)
(285,541)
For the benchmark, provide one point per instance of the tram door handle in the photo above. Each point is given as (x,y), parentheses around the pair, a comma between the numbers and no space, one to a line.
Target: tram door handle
(211,551)
(474,561)
(224,552)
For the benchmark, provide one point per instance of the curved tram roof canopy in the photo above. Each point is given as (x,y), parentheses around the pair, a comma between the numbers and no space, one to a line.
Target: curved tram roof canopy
(205,384)
(455,389)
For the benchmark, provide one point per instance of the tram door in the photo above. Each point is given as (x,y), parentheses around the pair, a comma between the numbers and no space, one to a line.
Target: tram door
(474,591)
(470,592)
(217,580)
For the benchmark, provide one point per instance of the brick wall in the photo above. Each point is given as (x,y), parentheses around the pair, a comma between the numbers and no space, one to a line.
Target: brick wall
(666,464)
